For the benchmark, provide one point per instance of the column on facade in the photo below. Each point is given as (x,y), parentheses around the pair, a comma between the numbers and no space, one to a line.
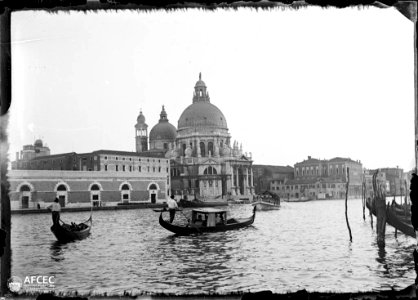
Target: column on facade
(237,187)
(232,182)
(198,150)
(246,182)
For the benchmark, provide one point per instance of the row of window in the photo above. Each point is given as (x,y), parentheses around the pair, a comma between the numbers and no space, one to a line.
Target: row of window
(310,186)
(130,159)
(124,168)
(315,171)
(94,187)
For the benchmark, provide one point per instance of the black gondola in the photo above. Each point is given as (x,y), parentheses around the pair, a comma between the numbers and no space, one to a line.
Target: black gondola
(68,233)
(208,220)
(395,218)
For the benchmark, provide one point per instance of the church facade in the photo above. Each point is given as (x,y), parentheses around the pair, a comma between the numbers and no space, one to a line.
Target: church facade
(204,163)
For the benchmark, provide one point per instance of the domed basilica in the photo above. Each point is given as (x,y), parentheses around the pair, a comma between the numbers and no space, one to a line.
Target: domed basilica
(204,164)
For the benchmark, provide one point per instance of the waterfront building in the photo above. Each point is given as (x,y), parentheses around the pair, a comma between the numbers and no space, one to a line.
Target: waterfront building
(196,160)
(39,188)
(396,181)
(205,164)
(271,178)
(102,177)
(323,179)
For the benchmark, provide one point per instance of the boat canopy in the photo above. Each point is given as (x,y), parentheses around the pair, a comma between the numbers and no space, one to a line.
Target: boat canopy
(208,210)
(209,217)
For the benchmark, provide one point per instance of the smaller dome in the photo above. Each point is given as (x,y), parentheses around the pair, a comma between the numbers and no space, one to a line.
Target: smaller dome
(141,118)
(38,143)
(163,130)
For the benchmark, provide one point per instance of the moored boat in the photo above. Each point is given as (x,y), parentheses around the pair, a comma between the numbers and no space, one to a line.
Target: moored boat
(395,218)
(399,221)
(67,233)
(207,220)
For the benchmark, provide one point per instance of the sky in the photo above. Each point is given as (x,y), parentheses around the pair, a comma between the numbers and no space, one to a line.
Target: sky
(290,83)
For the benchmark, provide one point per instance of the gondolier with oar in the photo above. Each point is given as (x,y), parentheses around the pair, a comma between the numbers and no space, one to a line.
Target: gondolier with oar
(55,208)
(172,207)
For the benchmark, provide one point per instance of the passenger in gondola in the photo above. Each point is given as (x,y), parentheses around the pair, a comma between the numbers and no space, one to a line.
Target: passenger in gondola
(172,206)
(55,208)
(199,221)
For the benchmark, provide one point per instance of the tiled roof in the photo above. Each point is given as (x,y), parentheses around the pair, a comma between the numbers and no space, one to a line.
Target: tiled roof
(342,159)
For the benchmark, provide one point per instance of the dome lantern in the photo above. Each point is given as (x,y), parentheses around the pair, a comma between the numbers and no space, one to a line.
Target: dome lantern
(201,113)
(200,93)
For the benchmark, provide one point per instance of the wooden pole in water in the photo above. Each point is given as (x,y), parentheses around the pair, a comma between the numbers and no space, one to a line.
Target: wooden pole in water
(380,201)
(346,197)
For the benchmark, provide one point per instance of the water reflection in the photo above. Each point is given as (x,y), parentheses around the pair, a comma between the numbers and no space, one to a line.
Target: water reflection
(56,250)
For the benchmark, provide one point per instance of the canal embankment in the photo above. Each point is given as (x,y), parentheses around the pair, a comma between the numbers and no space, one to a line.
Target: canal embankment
(116,207)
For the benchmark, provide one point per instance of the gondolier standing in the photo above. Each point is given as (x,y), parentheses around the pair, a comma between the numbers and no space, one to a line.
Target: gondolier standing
(55,208)
(172,206)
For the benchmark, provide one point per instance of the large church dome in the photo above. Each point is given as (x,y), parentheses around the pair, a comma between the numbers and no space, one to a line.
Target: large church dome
(164,130)
(202,113)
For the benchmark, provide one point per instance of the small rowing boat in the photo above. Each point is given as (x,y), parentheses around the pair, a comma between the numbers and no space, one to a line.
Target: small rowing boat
(207,220)
(70,232)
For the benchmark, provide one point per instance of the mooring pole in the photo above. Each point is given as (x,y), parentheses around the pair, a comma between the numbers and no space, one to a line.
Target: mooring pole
(413,196)
(346,197)
(380,202)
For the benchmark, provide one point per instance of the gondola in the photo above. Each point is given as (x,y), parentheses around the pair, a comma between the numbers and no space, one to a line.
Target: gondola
(68,233)
(207,220)
(399,221)
(395,218)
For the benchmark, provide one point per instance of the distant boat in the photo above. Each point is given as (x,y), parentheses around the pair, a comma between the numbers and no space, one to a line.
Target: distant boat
(207,220)
(267,205)
(67,233)
(302,199)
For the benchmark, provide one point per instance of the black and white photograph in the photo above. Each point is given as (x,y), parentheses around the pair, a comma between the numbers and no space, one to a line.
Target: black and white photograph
(211,152)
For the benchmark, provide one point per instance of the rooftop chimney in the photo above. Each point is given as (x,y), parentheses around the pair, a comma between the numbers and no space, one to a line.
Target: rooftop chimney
(309,157)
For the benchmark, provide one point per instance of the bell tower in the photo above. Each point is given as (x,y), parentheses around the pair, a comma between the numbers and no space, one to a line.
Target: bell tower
(141,133)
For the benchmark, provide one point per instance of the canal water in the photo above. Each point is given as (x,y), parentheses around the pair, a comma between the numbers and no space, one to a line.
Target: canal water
(301,246)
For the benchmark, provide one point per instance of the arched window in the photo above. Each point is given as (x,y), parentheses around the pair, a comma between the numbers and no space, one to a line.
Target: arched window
(25,188)
(95,187)
(125,193)
(210,148)
(153,187)
(202,149)
(95,195)
(184,149)
(210,171)
(25,196)
(62,188)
